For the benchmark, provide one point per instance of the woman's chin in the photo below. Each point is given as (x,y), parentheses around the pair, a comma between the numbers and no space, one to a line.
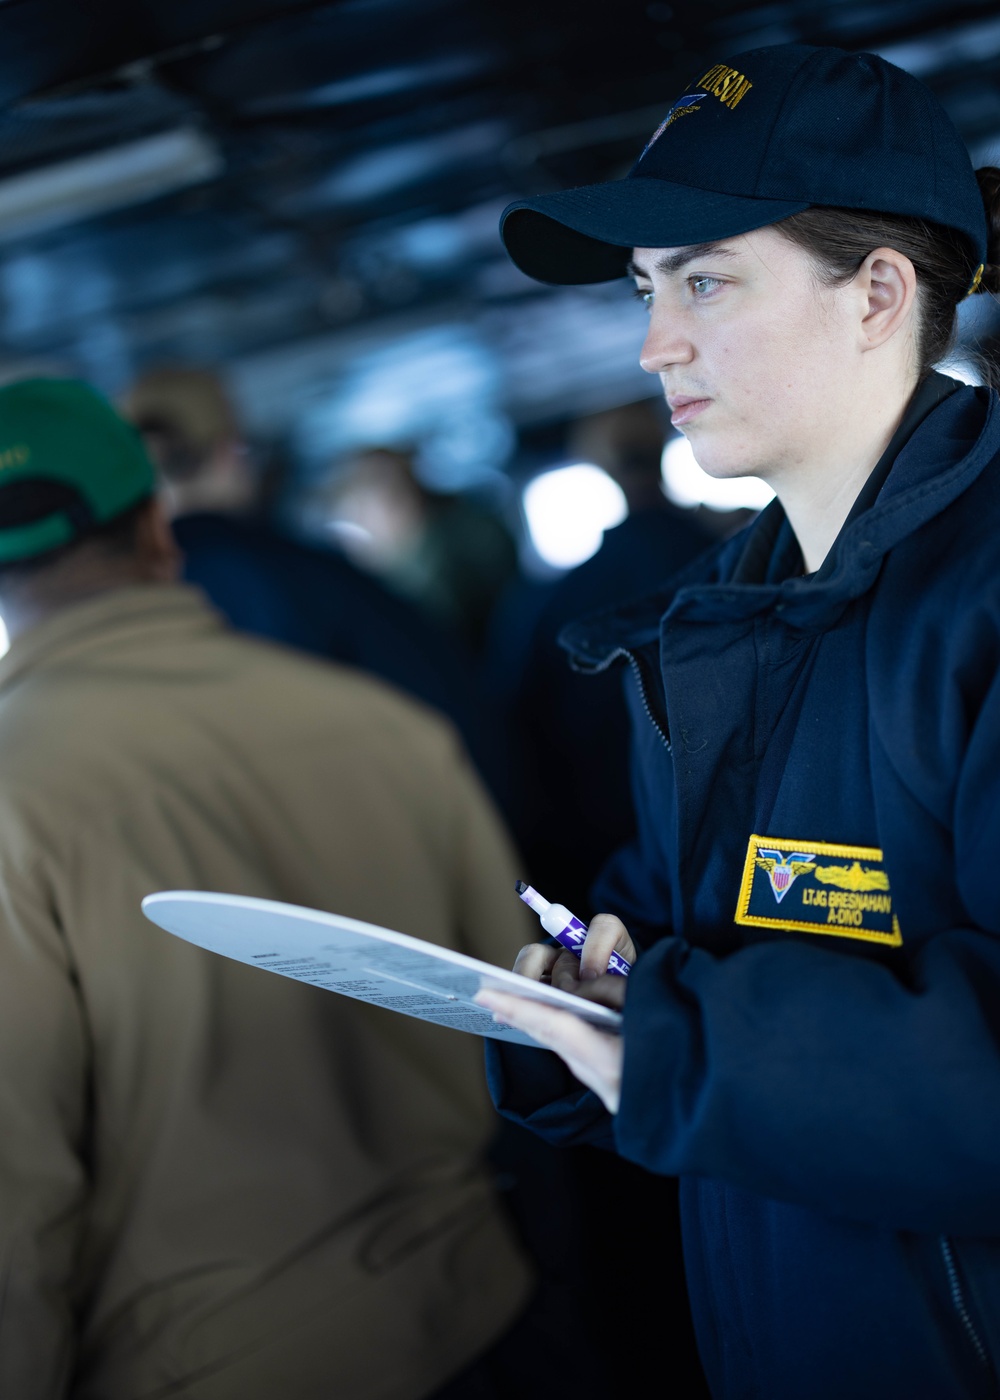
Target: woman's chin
(723,466)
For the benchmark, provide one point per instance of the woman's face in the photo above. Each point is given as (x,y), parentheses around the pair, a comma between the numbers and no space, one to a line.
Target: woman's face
(757,358)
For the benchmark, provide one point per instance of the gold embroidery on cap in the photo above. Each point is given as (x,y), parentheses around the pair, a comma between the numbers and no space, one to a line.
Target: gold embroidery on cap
(681,112)
(727,84)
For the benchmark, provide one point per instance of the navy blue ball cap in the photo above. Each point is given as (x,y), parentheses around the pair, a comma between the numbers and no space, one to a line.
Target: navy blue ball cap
(751,141)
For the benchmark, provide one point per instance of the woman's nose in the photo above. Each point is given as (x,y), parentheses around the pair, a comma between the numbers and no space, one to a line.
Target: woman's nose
(664,345)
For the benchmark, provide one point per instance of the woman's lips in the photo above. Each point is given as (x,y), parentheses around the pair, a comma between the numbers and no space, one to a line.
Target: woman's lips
(683,410)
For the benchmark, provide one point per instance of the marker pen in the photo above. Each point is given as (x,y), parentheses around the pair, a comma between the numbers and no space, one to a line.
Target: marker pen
(565,927)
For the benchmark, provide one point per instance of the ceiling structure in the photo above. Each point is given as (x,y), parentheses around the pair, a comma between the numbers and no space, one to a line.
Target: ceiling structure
(307,193)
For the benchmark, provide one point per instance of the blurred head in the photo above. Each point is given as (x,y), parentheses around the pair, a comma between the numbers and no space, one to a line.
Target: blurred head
(375,506)
(628,443)
(78,513)
(190,427)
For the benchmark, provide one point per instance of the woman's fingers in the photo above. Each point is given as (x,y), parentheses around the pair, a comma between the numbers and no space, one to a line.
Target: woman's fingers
(594,1056)
(585,975)
(606,935)
(608,990)
(566,971)
(536,961)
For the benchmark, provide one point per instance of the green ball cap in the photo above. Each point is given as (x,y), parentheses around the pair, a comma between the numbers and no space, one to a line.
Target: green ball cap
(68,464)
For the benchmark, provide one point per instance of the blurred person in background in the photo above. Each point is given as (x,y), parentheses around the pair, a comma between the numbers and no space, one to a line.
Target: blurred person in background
(314,598)
(191,430)
(274,586)
(214,1183)
(449,553)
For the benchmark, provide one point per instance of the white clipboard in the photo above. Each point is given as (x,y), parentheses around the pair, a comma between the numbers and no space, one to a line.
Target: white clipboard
(358,960)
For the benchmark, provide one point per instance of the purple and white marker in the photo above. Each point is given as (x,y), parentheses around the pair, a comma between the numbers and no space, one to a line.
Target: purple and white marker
(565,927)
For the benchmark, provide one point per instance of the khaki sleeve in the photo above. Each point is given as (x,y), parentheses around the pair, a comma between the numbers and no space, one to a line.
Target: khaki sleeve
(43,1097)
(493,923)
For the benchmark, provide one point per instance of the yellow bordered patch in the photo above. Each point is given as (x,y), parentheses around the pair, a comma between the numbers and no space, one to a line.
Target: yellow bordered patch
(819,888)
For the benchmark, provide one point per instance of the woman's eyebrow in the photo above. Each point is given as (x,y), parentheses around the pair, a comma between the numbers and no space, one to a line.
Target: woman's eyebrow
(673,262)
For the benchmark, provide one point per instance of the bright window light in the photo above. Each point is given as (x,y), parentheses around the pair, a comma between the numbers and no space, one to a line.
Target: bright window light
(4,639)
(568,511)
(64,193)
(687,485)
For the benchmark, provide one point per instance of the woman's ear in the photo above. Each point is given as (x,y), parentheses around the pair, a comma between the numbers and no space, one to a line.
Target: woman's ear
(889,283)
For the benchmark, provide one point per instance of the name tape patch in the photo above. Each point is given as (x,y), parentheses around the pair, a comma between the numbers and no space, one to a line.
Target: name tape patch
(819,888)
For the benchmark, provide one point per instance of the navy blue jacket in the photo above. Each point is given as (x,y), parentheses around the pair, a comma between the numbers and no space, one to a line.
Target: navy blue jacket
(812,1029)
(572,731)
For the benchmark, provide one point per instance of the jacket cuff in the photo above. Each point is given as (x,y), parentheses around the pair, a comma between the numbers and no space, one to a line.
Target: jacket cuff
(534,1088)
(663,1066)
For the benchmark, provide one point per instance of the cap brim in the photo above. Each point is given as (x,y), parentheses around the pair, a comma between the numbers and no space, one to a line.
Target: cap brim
(587,234)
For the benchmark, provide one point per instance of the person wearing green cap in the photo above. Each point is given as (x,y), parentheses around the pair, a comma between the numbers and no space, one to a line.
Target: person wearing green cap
(77,490)
(214,1184)
(67,466)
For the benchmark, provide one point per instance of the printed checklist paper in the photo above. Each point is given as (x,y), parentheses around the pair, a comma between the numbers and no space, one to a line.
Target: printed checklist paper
(357,960)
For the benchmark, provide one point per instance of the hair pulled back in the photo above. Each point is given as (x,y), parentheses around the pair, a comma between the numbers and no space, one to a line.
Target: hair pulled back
(840,239)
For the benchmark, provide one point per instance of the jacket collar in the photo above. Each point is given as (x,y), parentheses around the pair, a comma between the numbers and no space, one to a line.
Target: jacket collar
(121,615)
(955,439)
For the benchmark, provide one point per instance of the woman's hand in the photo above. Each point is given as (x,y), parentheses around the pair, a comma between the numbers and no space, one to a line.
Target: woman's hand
(593,1056)
(537,961)
(605,935)
(587,976)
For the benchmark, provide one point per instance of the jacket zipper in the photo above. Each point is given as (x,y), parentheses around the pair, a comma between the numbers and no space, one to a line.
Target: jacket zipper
(637,671)
(598,667)
(958,1298)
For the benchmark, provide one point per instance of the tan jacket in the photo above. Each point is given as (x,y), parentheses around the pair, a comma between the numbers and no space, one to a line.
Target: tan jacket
(216,1183)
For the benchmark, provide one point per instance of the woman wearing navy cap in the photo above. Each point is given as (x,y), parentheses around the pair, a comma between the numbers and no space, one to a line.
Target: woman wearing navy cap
(812,1028)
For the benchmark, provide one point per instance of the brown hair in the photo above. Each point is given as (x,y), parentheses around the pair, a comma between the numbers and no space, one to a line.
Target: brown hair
(841,239)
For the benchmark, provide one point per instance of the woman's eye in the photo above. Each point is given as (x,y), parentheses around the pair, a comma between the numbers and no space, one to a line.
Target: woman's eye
(704,286)
(645,295)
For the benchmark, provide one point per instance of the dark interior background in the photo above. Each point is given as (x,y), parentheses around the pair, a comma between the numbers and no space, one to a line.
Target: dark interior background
(317,209)
(305,194)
